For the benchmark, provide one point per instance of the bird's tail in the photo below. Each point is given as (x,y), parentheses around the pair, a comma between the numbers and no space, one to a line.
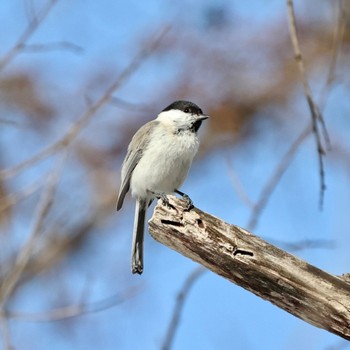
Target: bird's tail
(138,234)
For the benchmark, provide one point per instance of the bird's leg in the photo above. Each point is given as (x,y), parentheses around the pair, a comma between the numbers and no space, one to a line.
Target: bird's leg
(164,198)
(188,200)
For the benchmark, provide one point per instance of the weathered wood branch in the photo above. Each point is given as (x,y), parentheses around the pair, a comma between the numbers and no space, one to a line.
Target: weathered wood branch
(290,283)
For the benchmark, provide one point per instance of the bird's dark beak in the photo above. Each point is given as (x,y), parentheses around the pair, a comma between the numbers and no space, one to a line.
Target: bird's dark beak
(198,122)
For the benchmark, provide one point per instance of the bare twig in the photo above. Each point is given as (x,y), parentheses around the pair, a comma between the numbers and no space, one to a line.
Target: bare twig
(304,244)
(340,345)
(61,45)
(6,333)
(275,178)
(316,116)
(11,279)
(71,310)
(338,38)
(135,107)
(55,246)
(179,305)
(9,122)
(28,32)
(288,157)
(237,185)
(75,129)
(12,199)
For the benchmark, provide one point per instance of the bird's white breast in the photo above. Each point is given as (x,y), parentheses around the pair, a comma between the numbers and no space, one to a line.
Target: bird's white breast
(165,162)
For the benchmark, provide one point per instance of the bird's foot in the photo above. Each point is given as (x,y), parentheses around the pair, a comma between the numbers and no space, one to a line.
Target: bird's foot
(189,202)
(165,200)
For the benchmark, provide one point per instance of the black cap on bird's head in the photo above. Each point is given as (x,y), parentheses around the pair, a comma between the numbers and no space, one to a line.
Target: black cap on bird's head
(191,109)
(185,106)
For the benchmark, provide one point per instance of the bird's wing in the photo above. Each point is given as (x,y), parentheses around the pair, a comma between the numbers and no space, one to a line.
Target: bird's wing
(136,147)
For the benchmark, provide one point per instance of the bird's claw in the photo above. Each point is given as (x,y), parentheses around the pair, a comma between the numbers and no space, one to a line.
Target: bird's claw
(189,202)
(165,201)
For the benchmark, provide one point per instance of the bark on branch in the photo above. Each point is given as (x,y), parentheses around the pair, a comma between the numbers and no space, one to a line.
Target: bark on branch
(290,283)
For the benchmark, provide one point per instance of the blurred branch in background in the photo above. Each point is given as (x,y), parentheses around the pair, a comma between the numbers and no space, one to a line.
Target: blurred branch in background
(182,295)
(275,178)
(337,42)
(70,311)
(84,119)
(33,25)
(10,200)
(316,115)
(62,45)
(135,107)
(9,282)
(8,122)
(5,330)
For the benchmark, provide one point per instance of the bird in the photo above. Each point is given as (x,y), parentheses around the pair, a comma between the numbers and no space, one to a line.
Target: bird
(158,159)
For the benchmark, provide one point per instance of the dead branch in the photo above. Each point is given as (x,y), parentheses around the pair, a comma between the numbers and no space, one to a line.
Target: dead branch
(288,282)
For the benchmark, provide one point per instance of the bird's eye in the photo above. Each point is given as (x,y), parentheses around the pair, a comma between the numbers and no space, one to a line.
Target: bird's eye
(187,110)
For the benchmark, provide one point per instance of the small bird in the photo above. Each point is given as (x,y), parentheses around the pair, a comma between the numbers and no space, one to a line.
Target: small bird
(157,162)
